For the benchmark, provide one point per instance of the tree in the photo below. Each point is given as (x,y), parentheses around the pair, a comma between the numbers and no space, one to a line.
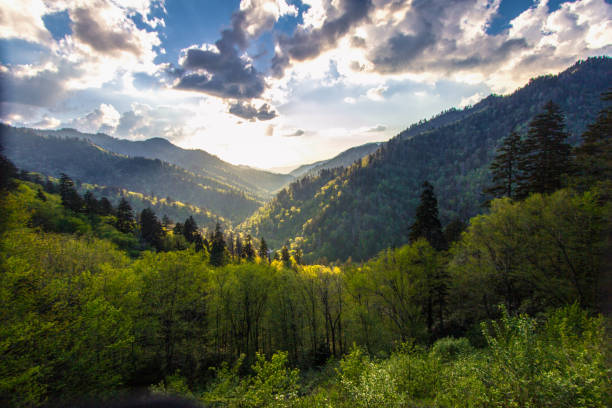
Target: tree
(105,207)
(7,172)
(594,155)
(125,216)
(285,257)
(426,223)
(70,198)
(248,250)
(190,229)
(263,250)
(91,204)
(545,155)
(238,248)
(504,168)
(166,221)
(217,248)
(40,195)
(151,230)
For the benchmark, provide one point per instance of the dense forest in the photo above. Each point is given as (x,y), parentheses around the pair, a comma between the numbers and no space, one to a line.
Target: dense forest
(100,303)
(369,206)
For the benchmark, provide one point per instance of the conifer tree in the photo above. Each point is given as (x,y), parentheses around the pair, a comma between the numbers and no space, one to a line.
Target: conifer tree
(285,257)
(125,216)
(166,221)
(105,207)
(504,167)
(426,224)
(263,250)
(151,230)
(91,204)
(545,155)
(248,250)
(190,229)
(217,247)
(238,248)
(70,198)
(594,155)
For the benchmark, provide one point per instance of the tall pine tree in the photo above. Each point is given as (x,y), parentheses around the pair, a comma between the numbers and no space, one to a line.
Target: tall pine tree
(427,224)
(504,168)
(217,247)
(263,250)
(545,155)
(594,155)
(125,216)
(151,230)
(248,250)
(70,198)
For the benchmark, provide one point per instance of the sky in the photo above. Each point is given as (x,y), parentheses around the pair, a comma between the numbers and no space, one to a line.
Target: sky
(277,83)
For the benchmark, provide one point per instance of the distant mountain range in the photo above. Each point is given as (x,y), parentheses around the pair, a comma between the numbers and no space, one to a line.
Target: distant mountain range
(76,154)
(369,206)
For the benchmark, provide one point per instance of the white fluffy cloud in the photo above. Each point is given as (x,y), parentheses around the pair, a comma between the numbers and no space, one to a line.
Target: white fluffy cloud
(104,118)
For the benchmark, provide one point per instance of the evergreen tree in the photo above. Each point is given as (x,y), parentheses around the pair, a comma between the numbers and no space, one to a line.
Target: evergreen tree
(238,248)
(198,242)
(427,224)
(190,229)
(8,171)
(248,250)
(594,155)
(125,216)
(263,250)
(91,204)
(285,257)
(230,245)
(504,168)
(452,231)
(545,155)
(166,221)
(105,207)
(151,230)
(70,198)
(178,229)
(217,247)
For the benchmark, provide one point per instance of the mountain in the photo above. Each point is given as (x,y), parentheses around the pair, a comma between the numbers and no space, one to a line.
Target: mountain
(257,182)
(344,159)
(83,160)
(358,211)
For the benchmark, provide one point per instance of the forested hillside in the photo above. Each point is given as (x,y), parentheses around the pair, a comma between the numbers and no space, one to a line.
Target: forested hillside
(90,163)
(258,182)
(344,159)
(371,205)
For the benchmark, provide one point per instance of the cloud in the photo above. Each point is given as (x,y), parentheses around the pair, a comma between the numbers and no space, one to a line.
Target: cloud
(350,100)
(471,100)
(47,122)
(250,112)
(296,133)
(219,69)
(377,128)
(270,130)
(23,19)
(308,42)
(377,94)
(104,118)
(90,29)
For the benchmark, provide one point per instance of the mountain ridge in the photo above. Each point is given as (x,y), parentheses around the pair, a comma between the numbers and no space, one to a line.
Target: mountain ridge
(370,205)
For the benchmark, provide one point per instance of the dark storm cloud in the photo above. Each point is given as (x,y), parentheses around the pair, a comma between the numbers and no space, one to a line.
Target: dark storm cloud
(305,44)
(88,30)
(250,112)
(222,73)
